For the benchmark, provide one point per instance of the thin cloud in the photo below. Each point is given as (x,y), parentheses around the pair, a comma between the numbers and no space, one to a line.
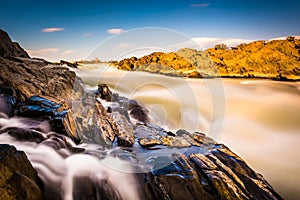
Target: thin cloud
(115,31)
(87,34)
(42,51)
(124,46)
(203,43)
(68,52)
(200,5)
(284,38)
(51,30)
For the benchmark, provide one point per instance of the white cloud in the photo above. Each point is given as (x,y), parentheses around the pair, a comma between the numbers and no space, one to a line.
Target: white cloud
(200,5)
(68,52)
(51,30)
(115,31)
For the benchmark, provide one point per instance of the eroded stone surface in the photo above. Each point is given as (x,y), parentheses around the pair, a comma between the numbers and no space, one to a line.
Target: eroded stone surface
(18,179)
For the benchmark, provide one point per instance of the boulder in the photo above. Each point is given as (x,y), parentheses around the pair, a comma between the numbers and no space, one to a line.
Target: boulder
(18,179)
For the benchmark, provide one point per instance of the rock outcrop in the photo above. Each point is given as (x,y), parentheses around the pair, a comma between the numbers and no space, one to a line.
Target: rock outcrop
(18,179)
(161,63)
(10,49)
(31,77)
(277,59)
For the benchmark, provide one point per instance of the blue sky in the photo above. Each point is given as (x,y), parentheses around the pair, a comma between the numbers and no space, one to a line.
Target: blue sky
(82,25)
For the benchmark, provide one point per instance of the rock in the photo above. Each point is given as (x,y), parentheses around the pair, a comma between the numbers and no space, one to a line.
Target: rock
(277,59)
(18,179)
(72,65)
(137,111)
(9,48)
(177,180)
(23,134)
(92,120)
(89,189)
(108,128)
(58,114)
(140,113)
(125,130)
(201,61)
(149,142)
(202,176)
(159,62)
(104,92)
(7,101)
(33,77)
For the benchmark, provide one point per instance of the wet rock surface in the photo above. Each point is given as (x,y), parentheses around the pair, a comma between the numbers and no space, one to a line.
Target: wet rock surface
(58,114)
(18,179)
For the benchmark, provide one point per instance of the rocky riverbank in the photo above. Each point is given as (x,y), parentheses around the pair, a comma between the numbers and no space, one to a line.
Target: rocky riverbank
(277,59)
(167,165)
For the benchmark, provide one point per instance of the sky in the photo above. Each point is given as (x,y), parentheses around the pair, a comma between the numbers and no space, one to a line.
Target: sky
(71,30)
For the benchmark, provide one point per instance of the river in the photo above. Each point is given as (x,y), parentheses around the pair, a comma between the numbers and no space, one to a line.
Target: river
(257,119)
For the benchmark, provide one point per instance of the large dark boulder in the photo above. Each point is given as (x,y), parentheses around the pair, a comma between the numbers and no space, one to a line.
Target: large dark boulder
(9,48)
(18,179)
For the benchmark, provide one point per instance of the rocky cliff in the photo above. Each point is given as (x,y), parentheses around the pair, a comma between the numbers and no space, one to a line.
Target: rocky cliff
(170,165)
(277,59)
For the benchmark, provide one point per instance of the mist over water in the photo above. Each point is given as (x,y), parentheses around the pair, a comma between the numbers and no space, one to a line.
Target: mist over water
(257,119)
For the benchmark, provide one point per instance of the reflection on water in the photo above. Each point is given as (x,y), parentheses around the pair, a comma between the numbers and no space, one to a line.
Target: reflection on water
(258,119)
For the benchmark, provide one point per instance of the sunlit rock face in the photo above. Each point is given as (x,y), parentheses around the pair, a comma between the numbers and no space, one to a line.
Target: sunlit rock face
(277,59)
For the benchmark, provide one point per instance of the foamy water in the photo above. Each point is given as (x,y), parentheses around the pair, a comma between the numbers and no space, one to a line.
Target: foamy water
(257,119)
(58,167)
